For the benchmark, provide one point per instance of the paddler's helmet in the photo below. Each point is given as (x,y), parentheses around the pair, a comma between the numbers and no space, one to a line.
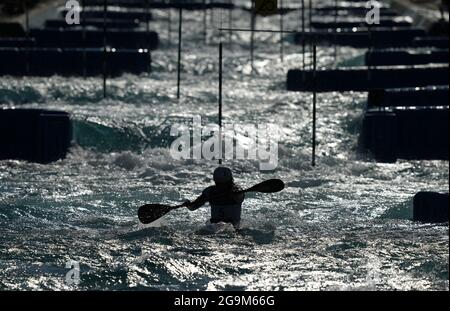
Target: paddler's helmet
(222,175)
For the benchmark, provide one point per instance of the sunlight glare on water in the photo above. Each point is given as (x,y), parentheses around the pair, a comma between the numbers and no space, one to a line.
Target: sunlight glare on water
(342,225)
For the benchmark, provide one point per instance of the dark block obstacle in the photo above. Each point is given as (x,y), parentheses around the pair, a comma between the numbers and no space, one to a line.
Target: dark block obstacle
(34,135)
(17,42)
(94,38)
(430,207)
(432,41)
(97,23)
(191,5)
(408,97)
(361,22)
(72,62)
(359,78)
(380,37)
(439,27)
(280,11)
(93,13)
(152,4)
(411,134)
(379,136)
(11,30)
(405,57)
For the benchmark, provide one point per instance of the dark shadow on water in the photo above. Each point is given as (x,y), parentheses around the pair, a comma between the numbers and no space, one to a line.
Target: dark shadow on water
(159,234)
(219,229)
(257,235)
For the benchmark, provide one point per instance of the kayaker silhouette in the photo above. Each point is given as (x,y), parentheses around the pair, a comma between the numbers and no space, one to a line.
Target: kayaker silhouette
(225,198)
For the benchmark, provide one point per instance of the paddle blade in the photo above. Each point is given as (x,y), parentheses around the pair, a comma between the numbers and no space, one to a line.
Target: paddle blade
(150,212)
(268,186)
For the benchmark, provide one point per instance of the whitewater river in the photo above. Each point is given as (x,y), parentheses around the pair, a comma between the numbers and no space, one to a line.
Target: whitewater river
(343,225)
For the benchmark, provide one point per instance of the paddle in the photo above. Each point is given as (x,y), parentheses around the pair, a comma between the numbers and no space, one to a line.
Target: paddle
(267,186)
(150,212)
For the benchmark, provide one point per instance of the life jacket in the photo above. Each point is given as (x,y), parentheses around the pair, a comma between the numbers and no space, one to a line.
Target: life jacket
(226,205)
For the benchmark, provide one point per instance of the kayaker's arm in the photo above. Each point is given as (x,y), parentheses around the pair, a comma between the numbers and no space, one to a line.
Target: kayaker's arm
(199,202)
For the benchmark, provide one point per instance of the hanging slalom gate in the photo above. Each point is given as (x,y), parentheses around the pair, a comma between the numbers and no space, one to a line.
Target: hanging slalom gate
(396,80)
(72,62)
(107,48)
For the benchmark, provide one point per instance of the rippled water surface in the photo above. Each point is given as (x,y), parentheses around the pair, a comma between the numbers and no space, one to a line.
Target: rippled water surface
(341,225)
